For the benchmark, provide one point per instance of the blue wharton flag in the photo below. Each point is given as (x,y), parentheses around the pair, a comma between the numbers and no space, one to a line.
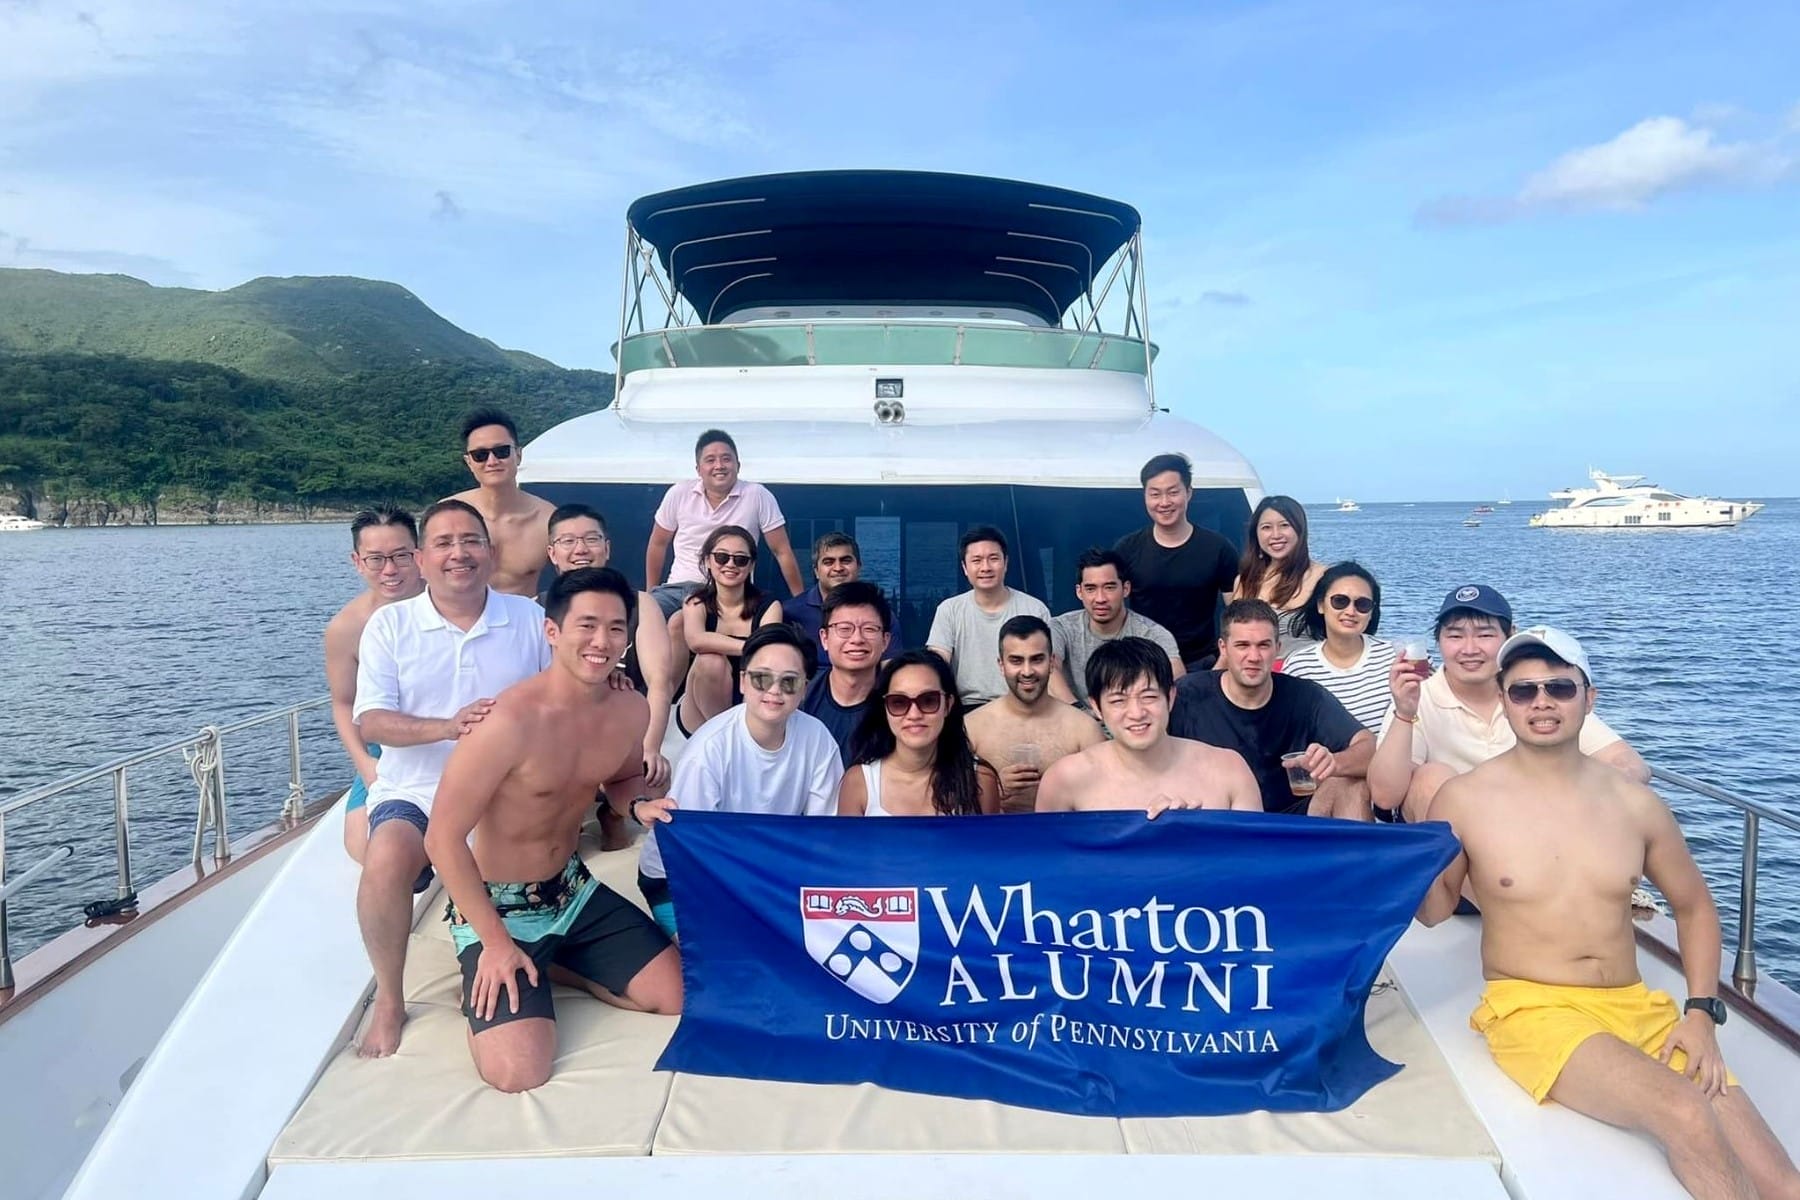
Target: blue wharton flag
(1093,963)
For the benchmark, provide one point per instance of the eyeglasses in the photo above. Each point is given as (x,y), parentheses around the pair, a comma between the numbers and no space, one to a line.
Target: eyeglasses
(468,541)
(480,453)
(1363,604)
(898,704)
(1526,690)
(732,560)
(568,541)
(379,562)
(846,629)
(768,681)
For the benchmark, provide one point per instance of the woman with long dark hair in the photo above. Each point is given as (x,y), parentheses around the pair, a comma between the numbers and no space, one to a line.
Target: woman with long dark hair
(717,618)
(1277,566)
(910,756)
(1344,656)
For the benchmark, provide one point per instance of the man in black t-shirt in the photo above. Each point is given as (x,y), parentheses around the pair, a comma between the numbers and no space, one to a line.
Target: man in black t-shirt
(854,626)
(1178,570)
(1247,707)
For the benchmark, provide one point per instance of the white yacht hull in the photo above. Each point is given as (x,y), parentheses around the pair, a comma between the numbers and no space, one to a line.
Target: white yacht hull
(1711,515)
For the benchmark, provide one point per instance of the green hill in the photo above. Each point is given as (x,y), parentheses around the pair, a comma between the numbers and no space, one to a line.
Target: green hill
(298,328)
(123,401)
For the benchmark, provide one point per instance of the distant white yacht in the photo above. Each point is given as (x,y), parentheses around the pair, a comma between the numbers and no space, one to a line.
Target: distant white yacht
(1348,506)
(1628,502)
(12,524)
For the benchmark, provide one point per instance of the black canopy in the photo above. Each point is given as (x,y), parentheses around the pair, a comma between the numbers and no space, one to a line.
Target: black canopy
(881,238)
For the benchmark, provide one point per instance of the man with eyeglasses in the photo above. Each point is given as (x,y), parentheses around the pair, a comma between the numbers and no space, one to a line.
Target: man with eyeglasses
(1103,587)
(855,638)
(578,539)
(1018,736)
(384,544)
(761,756)
(1553,842)
(428,670)
(517,521)
(1143,766)
(1452,721)
(1275,722)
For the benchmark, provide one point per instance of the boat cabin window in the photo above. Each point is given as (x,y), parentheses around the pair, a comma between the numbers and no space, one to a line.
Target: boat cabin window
(908,533)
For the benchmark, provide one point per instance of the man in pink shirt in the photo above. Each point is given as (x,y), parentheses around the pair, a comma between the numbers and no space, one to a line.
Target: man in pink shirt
(694,508)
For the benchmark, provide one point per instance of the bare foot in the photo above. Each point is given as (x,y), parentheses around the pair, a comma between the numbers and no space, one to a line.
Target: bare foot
(382,1036)
(613,834)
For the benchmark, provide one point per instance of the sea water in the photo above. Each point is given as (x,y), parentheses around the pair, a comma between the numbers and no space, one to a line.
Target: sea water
(118,639)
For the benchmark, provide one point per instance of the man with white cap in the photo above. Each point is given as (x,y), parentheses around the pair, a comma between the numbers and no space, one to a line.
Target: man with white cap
(1454,718)
(1553,842)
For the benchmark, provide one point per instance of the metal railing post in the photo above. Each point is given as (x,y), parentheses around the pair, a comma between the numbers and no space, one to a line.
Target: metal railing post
(295,806)
(122,833)
(1743,970)
(221,836)
(6,971)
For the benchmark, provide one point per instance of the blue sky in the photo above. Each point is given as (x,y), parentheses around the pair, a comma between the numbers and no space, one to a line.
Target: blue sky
(1395,250)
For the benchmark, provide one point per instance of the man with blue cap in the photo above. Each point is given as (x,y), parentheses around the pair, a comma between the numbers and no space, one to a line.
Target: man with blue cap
(1454,718)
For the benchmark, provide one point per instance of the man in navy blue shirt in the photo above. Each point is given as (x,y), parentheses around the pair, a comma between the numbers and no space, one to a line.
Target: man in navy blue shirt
(855,636)
(836,560)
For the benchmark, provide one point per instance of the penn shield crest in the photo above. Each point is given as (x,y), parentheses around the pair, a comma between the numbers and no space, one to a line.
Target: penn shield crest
(865,938)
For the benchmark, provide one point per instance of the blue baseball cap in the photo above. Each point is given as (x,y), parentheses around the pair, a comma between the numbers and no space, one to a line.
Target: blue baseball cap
(1478,597)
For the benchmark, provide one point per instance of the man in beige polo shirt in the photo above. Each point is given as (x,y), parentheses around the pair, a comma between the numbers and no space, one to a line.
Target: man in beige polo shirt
(1455,715)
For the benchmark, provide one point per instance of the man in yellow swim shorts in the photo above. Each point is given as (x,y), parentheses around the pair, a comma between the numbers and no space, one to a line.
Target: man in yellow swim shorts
(1553,844)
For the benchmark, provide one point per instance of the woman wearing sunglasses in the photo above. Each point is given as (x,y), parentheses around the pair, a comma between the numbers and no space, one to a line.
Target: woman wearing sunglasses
(717,618)
(1344,655)
(911,754)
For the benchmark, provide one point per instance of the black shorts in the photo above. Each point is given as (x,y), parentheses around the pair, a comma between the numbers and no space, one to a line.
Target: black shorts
(573,921)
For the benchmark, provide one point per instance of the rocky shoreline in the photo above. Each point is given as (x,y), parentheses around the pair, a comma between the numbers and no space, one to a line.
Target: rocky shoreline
(79,512)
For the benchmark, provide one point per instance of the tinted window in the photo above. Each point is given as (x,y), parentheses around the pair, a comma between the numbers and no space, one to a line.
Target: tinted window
(908,534)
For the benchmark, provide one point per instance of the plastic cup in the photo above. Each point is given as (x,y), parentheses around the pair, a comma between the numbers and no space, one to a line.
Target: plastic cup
(1300,780)
(1415,656)
(1028,754)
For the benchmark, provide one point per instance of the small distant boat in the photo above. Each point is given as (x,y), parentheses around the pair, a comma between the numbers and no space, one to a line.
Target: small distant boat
(1471,522)
(1505,499)
(1482,509)
(1348,506)
(11,524)
(1628,502)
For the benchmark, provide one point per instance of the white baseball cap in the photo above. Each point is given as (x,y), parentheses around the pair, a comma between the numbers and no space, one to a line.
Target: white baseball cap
(1561,644)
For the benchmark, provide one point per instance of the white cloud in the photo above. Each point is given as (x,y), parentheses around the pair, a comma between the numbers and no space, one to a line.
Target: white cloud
(1653,158)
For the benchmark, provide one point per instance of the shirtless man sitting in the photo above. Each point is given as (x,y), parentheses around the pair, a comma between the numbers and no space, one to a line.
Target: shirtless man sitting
(1553,843)
(523,780)
(1019,735)
(384,549)
(518,523)
(1132,685)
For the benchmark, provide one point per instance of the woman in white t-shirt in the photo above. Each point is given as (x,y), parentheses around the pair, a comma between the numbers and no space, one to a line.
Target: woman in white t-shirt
(1345,656)
(910,756)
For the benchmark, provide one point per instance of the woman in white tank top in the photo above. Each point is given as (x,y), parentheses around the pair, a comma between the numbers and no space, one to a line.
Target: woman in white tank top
(911,747)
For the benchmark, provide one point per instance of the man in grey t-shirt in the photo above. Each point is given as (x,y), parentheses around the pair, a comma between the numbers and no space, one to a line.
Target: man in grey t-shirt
(1103,584)
(966,628)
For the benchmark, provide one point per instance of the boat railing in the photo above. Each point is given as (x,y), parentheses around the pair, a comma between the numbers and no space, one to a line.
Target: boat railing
(883,343)
(1754,813)
(204,754)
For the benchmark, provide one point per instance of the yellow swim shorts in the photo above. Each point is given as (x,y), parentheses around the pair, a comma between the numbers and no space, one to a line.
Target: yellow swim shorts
(1533,1028)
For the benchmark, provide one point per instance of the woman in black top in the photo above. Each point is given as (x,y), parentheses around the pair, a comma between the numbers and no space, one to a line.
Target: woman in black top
(716,620)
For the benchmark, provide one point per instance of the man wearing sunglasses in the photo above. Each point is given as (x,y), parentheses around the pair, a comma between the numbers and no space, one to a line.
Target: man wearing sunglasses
(1455,717)
(517,521)
(855,623)
(761,756)
(1553,841)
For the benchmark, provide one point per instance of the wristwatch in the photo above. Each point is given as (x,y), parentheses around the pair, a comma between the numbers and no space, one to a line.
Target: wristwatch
(1712,1006)
(637,800)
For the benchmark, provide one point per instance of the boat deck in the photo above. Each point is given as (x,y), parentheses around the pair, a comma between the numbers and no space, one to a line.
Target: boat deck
(605,1098)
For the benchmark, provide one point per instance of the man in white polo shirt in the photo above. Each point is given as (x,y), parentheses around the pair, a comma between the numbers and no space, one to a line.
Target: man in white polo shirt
(692,509)
(1455,716)
(428,670)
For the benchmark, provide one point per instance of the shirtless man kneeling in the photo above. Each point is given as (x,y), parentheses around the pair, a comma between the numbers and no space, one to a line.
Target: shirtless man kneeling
(1132,687)
(523,780)
(1553,842)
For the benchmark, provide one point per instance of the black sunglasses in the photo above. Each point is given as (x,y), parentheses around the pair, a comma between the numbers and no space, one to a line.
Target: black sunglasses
(1363,604)
(724,558)
(926,702)
(480,453)
(1526,690)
